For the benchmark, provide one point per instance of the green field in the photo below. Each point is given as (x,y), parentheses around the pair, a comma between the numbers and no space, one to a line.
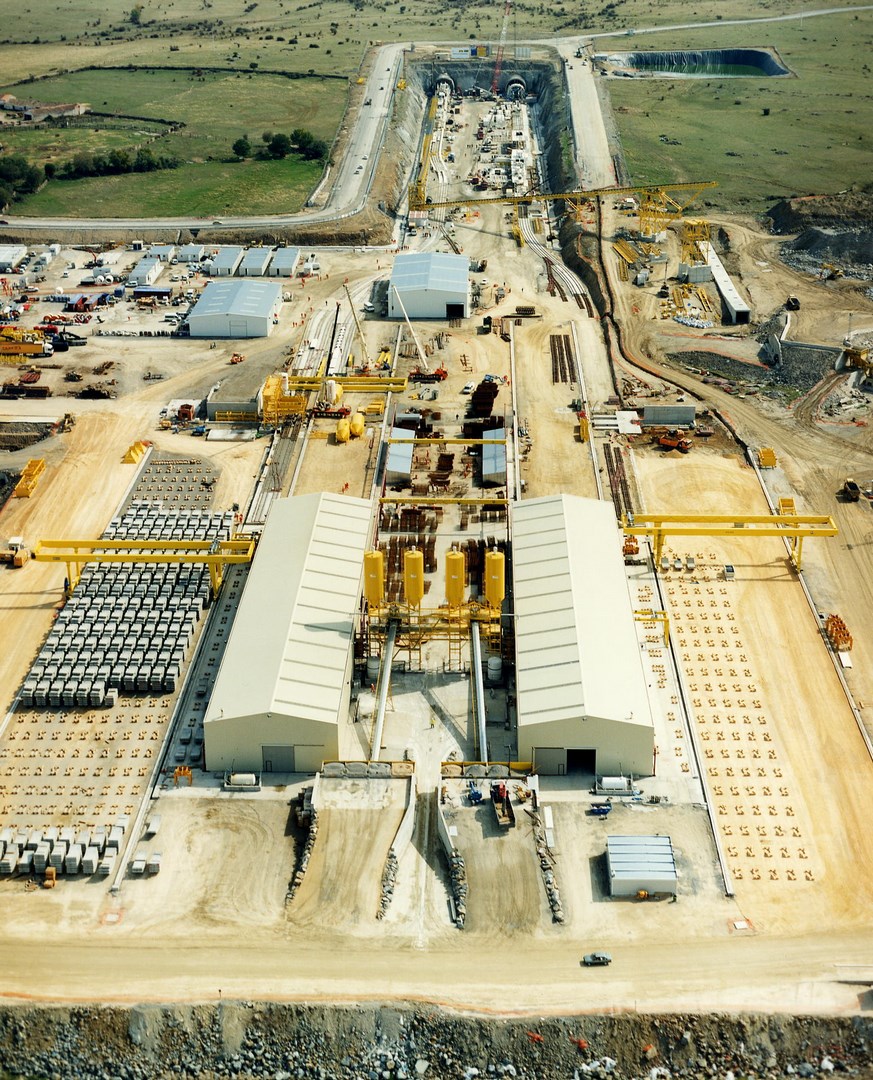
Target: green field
(215,108)
(257,187)
(816,137)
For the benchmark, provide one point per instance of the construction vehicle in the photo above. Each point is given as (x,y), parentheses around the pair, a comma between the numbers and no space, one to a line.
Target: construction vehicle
(473,793)
(419,376)
(237,358)
(15,553)
(675,440)
(792,303)
(601,809)
(365,354)
(829,272)
(502,804)
(851,491)
(51,877)
(18,341)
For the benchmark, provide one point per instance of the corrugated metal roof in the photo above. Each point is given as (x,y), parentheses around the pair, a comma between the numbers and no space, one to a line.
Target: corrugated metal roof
(494,456)
(434,271)
(256,258)
(634,857)
(576,645)
(400,454)
(227,258)
(289,647)
(285,258)
(242,298)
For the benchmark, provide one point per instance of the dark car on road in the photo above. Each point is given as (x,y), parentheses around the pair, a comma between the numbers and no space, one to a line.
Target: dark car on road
(596,959)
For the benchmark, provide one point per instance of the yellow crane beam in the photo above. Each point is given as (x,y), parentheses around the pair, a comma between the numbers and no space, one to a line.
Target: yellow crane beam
(575,197)
(441,500)
(447,442)
(786,526)
(216,554)
(366,383)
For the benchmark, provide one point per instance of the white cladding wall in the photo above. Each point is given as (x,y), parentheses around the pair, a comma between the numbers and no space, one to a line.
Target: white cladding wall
(285,679)
(580,678)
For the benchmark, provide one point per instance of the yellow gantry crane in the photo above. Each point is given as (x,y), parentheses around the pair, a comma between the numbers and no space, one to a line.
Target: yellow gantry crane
(216,554)
(786,526)
(655,199)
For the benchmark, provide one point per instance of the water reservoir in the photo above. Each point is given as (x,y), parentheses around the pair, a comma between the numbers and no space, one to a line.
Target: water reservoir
(698,63)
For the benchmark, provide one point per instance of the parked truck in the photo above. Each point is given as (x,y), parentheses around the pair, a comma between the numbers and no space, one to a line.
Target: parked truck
(502,804)
(18,341)
(851,491)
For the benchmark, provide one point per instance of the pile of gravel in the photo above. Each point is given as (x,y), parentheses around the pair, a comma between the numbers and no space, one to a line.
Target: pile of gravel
(287,1042)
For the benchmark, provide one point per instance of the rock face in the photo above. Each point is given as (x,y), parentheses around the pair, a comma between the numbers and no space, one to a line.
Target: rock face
(248,1041)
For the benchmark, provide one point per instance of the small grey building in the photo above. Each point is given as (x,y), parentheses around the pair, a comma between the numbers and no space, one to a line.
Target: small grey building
(190,253)
(284,262)
(225,262)
(255,262)
(165,252)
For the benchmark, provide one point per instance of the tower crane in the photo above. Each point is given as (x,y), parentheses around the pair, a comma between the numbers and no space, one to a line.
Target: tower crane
(367,362)
(498,62)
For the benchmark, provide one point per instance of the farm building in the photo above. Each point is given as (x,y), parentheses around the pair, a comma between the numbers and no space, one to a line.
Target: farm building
(255,262)
(432,285)
(146,272)
(225,262)
(284,262)
(189,253)
(284,684)
(583,705)
(236,309)
(10,256)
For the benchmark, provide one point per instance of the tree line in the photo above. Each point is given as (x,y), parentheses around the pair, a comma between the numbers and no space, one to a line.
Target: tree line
(20,177)
(278,145)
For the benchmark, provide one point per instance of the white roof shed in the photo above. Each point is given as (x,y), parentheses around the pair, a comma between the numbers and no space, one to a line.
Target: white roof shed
(255,262)
(236,309)
(284,262)
(582,693)
(285,681)
(432,285)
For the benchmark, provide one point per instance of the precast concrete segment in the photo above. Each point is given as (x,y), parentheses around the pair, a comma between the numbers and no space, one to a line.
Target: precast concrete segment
(758,809)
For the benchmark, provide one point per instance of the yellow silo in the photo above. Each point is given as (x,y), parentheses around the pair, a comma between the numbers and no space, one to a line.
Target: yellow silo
(456,578)
(413,577)
(342,430)
(495,579)
(357,425)
(374,578)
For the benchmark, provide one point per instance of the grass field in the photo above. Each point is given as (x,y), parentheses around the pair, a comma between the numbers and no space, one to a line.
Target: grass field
(215,108)
(816,138)
(203,190)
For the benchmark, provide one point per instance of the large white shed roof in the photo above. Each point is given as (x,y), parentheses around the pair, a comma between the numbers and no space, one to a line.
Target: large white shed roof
(577,651)
(242,298)
(434,271)
(289,648)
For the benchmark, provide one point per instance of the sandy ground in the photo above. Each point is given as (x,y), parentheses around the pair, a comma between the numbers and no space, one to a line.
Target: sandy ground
(214,918)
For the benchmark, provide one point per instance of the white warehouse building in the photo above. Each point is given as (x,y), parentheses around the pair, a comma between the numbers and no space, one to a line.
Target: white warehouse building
(583,704)
(236,309)
(284,685)
(432,285)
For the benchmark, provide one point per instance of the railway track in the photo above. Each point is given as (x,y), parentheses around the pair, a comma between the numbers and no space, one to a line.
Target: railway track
(618,485)
(562,358)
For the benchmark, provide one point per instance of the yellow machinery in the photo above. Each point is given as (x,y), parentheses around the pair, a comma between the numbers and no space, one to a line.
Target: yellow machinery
(16,553)
(278,402)
(650,615)
(135,453)
(656,197)
(859,359)
(695,232)
(419,191)
(786,526)
(216,554)
(767,458)
(408,625)
(26,485)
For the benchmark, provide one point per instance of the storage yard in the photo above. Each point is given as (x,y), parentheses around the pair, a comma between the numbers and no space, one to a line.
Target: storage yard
(373,659)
